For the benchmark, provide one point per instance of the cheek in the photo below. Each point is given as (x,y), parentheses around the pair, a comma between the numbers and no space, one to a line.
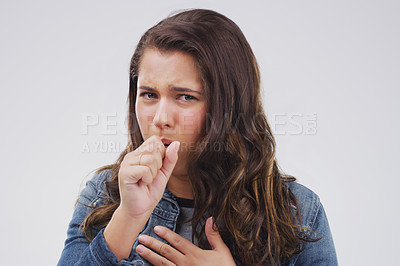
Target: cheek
(144,118)
(192,123)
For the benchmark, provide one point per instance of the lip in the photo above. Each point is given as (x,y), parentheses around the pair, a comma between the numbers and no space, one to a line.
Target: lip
(166,141)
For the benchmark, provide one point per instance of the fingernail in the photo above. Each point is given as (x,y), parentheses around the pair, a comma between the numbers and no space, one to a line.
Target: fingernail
(177,146)
(143,238)
(157,229)
(140,249)
(212,224)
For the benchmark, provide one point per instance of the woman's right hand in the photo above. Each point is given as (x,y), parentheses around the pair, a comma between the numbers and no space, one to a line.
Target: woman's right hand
(143,176)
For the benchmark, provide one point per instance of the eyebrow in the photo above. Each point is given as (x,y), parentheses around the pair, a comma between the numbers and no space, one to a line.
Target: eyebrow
(172,88)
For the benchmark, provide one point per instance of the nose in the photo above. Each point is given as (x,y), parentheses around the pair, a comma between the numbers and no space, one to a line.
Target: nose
(163,117)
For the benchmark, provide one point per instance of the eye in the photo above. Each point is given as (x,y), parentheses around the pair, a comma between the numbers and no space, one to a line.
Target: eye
(148,95)
(187,97)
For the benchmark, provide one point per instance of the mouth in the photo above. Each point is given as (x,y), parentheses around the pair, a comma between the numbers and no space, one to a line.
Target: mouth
(166,142)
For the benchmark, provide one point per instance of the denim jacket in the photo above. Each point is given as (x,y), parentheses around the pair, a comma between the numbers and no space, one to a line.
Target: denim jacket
(79,251)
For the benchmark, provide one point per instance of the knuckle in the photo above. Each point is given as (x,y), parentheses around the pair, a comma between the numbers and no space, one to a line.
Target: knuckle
(161,147)
(153,158)
(156,164)
(148,159)
(121,172)
(151,172)
(159,162)
(154,169)
(154,138)
(176,240)
(148,171)
(166,250)
(143,159)
(150,242)
(142,148)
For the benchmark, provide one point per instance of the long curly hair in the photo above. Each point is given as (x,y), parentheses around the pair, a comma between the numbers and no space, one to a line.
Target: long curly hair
(234,175)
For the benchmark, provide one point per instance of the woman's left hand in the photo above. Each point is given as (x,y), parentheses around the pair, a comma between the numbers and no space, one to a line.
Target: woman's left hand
(183,252)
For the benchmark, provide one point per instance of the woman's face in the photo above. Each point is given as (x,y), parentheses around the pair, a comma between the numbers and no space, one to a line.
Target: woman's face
(170,100)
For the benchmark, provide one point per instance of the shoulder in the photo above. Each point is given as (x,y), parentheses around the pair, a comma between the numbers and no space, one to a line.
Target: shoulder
(313,218)
(94,191)
(308,202)
(99,179)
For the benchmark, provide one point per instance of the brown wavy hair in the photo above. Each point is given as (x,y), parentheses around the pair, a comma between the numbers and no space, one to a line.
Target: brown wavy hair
(233,171)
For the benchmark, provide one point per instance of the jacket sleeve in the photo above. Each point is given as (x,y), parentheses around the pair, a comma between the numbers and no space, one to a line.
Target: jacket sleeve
(77,249)
(323,251)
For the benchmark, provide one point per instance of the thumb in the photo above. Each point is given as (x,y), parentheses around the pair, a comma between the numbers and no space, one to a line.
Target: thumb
(170,159)
(213,236)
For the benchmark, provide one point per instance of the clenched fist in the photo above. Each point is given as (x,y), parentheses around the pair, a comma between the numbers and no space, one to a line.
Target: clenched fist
(144,174)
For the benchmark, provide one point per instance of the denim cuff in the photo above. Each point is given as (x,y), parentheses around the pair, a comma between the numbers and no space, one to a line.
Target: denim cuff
(100,251)
(102,254)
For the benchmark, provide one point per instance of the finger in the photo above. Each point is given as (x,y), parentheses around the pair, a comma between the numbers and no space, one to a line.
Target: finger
(152,257)
(157,149)
(169,162)
(150,161)
(159,157)
(150,146)
(161,248)
(213,236)
(158,154)
(161,179)
(153,144)
(177,241)
(134,158)
(170,159)
(137,173)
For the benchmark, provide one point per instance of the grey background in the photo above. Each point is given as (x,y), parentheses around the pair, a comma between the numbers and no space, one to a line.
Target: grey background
(63,60)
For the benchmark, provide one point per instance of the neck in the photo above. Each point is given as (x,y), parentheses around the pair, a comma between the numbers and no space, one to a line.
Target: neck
(180,186)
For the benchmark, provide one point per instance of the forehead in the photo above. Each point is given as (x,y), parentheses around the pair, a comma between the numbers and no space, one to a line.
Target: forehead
(156,64)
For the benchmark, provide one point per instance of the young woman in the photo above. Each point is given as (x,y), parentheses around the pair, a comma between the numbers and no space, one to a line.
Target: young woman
(198,183)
